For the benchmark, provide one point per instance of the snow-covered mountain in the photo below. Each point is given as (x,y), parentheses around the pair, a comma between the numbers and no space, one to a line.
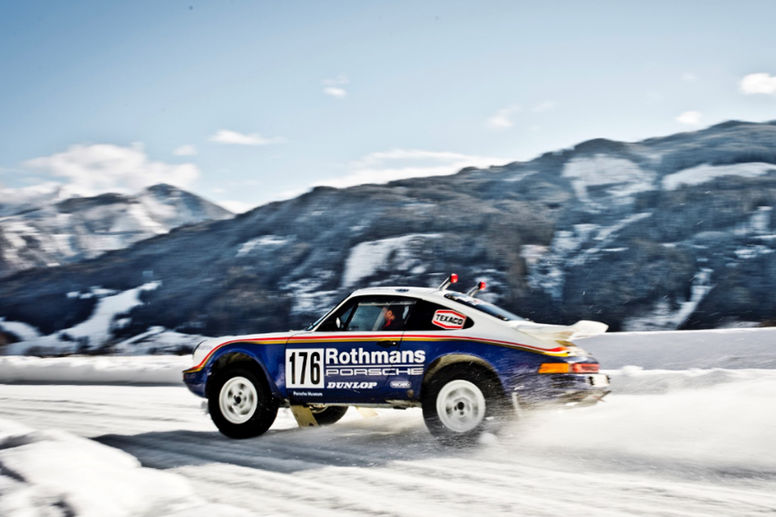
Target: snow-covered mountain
(670,232)
(48,230)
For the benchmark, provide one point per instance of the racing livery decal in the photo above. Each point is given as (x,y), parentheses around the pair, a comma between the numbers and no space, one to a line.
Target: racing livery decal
(304,368)
(448,319)
(311,367)
(559,351)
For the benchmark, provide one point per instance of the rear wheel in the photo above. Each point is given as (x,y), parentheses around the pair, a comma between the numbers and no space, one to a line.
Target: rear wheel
(461,402)
(241,404)
(328,415)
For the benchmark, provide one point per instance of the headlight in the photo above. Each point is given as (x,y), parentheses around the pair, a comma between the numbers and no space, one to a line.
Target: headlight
(202,350)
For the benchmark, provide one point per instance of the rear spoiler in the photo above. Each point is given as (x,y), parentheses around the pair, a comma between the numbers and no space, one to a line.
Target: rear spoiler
(579,330)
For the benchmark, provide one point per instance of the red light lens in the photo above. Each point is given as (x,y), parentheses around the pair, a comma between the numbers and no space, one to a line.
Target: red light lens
(584,368)
(481,286)
(453,278)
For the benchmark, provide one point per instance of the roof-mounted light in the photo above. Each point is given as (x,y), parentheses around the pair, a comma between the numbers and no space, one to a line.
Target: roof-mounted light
(452,279)
(476,289)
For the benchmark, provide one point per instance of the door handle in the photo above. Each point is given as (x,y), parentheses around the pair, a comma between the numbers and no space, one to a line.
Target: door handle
(387,343)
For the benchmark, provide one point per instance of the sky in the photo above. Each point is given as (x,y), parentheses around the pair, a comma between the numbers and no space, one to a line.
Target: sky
(247,102)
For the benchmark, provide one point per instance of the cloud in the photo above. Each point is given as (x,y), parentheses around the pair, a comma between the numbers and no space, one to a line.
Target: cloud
(690,118)
(185,150)
(396,164)
(334,87)
(503,117)
(335,91)
(226,136)
(92,169)
(758,83)
(689,77)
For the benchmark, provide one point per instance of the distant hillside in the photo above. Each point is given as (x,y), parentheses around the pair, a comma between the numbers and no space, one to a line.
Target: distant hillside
(55,232)
(671,232)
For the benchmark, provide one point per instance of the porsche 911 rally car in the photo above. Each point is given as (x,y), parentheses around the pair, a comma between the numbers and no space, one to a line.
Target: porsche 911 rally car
(466,362)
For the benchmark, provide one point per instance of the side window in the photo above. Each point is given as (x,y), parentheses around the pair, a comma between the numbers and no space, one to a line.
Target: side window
(370,313)
(368,316)
(431,316)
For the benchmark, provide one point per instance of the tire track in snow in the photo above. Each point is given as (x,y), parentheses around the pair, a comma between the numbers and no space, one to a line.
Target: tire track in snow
(390,466)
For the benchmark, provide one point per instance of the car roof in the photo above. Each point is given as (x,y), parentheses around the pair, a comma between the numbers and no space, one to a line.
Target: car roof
(427,293)
(394,289)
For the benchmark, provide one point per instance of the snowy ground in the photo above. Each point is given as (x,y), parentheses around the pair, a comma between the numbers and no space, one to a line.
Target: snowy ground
(673,441)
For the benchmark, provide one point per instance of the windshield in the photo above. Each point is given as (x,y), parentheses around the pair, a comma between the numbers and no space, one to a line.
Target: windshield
(315,323)
(487,308)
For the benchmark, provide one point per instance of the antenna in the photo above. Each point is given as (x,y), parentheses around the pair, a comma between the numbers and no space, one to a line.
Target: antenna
(476,289)
(452,279)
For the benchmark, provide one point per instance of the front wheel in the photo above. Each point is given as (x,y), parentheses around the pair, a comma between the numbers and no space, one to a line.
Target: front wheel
(460,403)
(240,404)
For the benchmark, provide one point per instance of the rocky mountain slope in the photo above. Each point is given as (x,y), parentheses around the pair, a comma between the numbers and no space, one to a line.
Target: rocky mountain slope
(670,232)
(54,231)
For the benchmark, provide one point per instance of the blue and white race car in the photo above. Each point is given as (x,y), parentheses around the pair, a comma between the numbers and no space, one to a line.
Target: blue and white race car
(466,362)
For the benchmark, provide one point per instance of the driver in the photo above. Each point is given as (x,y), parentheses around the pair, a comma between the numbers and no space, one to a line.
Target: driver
(391,319)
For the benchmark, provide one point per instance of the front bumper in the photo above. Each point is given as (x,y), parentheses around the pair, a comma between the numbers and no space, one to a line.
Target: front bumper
(195,381)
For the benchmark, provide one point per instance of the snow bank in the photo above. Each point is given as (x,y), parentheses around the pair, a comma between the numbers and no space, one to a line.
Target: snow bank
(683,349)
(636,380)
(57,473)
(662,351)
(153,369)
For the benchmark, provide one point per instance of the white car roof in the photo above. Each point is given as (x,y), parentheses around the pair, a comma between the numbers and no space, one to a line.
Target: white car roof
(427,293)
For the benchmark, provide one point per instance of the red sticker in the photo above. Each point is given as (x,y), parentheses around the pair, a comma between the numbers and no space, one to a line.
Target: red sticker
(448,319)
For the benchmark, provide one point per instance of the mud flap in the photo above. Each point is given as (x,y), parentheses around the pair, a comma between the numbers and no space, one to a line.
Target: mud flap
(366,412)
(304,417)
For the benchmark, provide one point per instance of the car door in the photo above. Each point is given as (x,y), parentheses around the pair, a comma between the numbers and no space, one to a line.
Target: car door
(354,355)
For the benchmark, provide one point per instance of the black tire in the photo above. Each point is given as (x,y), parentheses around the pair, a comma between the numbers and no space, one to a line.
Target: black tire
(329,414)
(462,401)
(240,403)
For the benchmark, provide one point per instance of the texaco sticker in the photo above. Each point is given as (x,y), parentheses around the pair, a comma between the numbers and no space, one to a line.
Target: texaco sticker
(448,319)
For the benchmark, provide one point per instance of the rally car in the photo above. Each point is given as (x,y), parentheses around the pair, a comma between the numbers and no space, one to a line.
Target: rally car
(466,362)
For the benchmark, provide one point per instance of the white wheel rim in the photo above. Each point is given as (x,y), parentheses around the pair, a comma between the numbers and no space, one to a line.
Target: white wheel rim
(460,406)
(238,400)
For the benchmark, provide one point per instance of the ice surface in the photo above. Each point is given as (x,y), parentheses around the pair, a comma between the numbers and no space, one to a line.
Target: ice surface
(686,432)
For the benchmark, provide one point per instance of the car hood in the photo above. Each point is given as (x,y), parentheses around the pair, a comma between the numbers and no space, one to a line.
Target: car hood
(204,349)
